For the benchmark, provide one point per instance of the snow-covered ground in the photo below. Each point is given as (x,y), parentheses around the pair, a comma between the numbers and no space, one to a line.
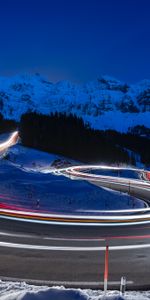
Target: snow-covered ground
(26,177)
(124,173)
(23,291)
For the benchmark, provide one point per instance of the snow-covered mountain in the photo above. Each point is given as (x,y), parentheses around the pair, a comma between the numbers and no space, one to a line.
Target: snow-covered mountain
(105,103)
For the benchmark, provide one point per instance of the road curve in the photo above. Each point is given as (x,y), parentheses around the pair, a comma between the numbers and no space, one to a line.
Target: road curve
(135,187)
(34,247)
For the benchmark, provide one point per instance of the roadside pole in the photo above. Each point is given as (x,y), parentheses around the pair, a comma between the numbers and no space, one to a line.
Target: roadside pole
(106,270)
(129,189)
(122,286)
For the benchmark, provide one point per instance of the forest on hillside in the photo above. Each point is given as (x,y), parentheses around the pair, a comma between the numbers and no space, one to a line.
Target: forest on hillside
(7,125)
(69,136)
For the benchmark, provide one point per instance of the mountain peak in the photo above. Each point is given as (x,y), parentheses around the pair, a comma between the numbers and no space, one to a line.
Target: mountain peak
(105,103)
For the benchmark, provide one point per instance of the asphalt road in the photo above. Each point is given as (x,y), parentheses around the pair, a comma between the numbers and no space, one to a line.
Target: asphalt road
(73,256)
(71,263)
(135,187)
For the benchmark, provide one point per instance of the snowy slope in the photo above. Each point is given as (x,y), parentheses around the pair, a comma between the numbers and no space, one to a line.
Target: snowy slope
(105,103)
(27,174)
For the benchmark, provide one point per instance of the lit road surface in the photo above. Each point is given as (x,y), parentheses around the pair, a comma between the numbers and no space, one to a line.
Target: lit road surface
(48,248)
(10,142)
(74,256)
(135,187)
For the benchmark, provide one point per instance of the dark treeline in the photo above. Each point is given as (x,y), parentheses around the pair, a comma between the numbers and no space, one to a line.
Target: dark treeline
(135,143)
(7,125)
(69,136)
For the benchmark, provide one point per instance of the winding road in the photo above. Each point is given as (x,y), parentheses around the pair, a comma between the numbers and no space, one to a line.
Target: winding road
(56,249)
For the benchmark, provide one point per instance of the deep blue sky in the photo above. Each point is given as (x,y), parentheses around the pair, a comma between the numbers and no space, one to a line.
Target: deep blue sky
(76,39)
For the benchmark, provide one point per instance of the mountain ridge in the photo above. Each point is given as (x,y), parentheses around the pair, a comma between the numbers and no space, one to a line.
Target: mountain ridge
(105,103)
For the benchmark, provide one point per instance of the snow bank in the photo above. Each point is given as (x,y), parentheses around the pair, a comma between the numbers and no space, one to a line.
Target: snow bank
(23,291)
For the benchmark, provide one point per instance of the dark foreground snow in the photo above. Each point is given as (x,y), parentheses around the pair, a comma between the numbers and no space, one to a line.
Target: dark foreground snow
(23,291)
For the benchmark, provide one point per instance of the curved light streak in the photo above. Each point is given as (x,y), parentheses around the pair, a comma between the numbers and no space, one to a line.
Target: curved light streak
(68,248)
(127,216)
(76,172)
(60,219)
(10,142)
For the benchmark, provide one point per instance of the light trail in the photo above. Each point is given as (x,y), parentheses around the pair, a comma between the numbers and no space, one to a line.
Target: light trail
(147,209)
(71,239)
(71,248)
(33,236)
(142,215)
(10,142)
(60,219)
(76,172)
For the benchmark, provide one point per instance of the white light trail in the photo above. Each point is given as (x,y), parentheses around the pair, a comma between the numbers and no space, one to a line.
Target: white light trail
(67,216)
(10,142)
(19,235)
(82,220)
(67,248)
(80,223)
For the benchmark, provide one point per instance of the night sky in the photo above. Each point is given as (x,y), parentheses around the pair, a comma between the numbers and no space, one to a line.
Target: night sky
(76,40)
